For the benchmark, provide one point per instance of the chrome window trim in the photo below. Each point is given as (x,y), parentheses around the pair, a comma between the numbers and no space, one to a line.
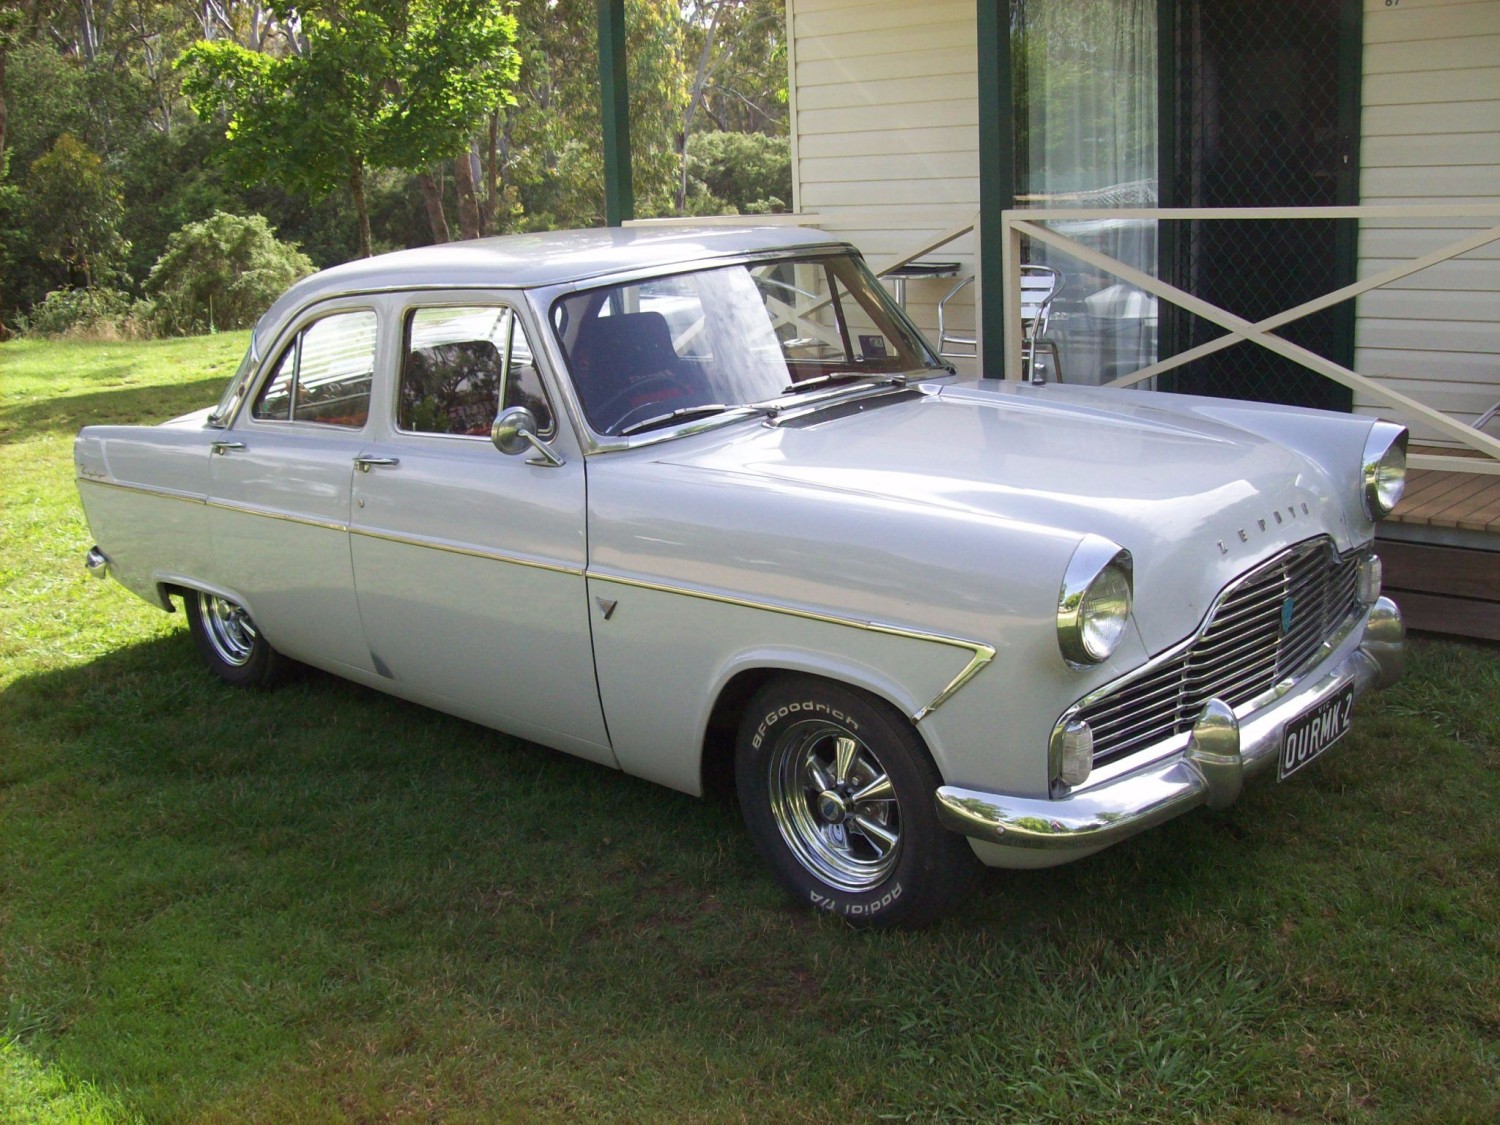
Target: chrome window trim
(510,299)
(592,442)
(293,326)
(980,654)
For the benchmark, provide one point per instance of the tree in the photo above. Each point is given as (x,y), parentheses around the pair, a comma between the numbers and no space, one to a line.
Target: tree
(75,211)
(749,172)
(223,272)
(394,83)
(737,49)
(550,143)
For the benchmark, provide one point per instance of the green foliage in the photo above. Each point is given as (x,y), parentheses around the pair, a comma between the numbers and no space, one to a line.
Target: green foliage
(98,312)
(293,120)
(222,273)
(46,96)
(552,139)
(744,75)
(104,75)
(394,84)
(75,211)
(750,172)
(455,62)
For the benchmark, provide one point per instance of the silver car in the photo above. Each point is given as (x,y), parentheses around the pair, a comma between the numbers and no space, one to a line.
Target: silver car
(703,506)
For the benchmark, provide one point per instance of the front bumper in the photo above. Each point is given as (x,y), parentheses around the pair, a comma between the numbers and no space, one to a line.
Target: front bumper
(1221,752)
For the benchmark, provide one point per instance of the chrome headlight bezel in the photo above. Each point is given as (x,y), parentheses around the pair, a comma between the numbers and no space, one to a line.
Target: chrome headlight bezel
(1383,469)
(1099,573)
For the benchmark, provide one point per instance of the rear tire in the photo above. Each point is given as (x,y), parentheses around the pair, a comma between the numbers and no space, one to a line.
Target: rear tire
(836,789)
(229,642)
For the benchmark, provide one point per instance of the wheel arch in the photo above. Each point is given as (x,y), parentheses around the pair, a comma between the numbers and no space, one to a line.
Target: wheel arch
(739,684)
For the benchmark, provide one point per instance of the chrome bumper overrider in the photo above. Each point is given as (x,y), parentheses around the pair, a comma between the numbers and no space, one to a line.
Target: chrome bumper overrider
(1221,752)
(96,563)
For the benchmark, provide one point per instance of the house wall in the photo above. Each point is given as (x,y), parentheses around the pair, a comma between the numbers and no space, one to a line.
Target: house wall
(885,147)
(1431,135)
(884,109)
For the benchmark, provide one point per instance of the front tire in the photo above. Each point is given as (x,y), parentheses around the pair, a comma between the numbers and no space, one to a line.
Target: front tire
(836,789)
(229,642)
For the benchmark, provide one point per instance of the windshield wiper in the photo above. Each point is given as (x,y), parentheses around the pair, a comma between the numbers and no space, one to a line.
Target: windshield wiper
(843,376)
(692,412)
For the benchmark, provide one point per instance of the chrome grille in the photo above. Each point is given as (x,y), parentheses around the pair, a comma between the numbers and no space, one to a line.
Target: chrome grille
(1240,653)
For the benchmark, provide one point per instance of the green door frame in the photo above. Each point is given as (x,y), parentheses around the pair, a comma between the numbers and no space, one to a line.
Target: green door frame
(997,174)
(614,94)
(997,170)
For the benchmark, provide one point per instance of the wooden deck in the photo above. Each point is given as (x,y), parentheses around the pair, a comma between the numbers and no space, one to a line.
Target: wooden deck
(1469,501)
(1443,588)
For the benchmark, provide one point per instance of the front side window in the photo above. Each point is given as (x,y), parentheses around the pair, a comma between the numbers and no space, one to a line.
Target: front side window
(324,374)
(646,352)
(462,366)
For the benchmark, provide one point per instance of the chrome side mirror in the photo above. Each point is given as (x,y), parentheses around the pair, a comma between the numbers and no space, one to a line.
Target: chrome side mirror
(514,432)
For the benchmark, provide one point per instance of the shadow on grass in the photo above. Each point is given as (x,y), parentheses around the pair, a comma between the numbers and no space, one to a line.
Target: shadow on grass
(119,405)
(321,900)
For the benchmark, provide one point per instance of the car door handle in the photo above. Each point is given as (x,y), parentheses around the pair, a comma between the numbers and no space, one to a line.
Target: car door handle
(225,446)
(364,463)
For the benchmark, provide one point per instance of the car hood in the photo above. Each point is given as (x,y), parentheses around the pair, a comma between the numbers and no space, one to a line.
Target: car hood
(1190,487)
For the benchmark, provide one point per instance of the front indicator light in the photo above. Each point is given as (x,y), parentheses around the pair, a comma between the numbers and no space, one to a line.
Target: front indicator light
(1371,576)
(1073,751)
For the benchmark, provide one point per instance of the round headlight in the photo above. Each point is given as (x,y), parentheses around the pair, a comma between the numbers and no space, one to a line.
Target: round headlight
(1384,469)
(1094,602)
(1105,609)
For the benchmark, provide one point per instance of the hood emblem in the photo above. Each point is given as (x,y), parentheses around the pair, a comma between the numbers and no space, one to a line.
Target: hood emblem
(1291,511)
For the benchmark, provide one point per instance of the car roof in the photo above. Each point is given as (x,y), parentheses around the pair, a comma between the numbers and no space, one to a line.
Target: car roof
(524,261)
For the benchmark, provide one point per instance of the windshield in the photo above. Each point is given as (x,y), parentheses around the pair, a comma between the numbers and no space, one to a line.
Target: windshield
(654,351)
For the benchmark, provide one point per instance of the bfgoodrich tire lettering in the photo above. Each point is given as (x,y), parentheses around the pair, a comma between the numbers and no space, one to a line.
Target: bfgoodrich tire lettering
(837,792)
(229,642)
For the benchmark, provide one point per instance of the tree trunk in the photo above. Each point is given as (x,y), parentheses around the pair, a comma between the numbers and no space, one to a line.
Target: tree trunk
(432,196)
(357,190)
(468,204)
(695,98)
(492,177)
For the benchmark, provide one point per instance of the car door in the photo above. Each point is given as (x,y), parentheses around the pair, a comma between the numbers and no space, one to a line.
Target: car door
(469,563)
(280,489)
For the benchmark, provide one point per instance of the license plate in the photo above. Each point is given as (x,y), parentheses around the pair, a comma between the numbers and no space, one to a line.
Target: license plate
(1314,731)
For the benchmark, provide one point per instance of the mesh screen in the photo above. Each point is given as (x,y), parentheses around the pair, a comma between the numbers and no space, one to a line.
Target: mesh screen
(1257,125)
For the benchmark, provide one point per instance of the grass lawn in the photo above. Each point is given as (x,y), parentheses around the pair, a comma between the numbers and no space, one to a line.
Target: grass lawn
(324,904)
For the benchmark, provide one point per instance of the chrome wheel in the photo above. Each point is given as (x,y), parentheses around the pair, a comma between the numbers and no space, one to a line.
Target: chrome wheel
(835,805)
(228,629)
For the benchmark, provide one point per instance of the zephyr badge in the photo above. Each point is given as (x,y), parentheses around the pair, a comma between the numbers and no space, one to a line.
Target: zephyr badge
(1288,607)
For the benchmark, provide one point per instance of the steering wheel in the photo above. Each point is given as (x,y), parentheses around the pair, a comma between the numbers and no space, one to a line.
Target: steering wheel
(625,399)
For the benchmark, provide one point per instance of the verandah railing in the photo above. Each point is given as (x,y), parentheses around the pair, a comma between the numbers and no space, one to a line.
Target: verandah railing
(1021,224)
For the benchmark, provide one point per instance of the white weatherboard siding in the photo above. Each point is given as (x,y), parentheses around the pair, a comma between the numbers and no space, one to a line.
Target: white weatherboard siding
(1431,135)
(885,147)
(885,116)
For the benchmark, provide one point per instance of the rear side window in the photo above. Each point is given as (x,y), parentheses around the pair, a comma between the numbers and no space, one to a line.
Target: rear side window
(463,365)
(324,375)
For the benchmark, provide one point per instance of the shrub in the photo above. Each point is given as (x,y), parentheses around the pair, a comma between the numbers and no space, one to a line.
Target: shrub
(751,172)
(83,312)
(223,272)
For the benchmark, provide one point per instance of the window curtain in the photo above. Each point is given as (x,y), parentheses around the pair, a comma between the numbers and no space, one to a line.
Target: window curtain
(1086,136)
